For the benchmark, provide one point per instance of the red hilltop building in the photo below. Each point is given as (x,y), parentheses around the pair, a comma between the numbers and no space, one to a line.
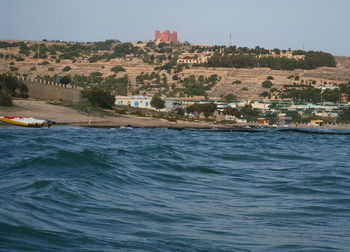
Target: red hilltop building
(166,36)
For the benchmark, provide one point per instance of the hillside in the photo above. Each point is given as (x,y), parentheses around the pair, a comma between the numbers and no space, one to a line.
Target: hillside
(152,68)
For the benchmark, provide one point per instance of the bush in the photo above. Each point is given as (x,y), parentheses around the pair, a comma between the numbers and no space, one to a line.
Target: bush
(137,113)
(230,97)
(13,69)
(237,82)
(96,74)
(264,94)
(270,78)
(99,97)
(32,69)
(121,111)
(51,69)
(19,58)
(67,69)
(266,84)
(44,63)
(117,69)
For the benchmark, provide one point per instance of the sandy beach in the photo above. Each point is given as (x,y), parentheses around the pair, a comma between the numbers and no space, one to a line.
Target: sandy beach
(64,115)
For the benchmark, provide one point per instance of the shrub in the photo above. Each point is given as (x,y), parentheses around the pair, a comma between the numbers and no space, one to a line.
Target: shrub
(121,111)
(244,89)
(33,69)
(264,94)
(237,82)
(44,63)
(19,58)
(67,69)
(137,113)
(230,97)
(266,84)
(270,78)
(13,69)
(51,69)
(96,74)
(117,69)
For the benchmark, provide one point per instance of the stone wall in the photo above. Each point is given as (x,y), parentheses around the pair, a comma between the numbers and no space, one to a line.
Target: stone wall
(53,91)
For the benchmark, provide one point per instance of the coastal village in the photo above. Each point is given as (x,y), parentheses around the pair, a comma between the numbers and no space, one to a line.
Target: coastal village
(228,85)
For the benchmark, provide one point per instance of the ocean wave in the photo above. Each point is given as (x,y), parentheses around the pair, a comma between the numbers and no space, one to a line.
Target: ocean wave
(83,189)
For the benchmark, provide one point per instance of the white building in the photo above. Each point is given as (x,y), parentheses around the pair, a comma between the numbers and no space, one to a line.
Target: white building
(137,101)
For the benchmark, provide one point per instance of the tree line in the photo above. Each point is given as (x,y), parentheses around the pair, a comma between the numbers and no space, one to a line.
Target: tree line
(312,60)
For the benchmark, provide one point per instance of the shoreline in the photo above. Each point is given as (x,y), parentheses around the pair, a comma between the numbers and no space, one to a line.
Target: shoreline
(67,116)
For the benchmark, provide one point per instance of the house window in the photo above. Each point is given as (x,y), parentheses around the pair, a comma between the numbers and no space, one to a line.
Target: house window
(146,104)
(136,104)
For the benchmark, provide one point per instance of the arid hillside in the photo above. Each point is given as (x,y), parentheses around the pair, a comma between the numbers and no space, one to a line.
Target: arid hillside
(151,68)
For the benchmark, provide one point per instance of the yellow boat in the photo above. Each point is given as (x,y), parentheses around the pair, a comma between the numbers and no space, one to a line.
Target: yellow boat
(22,121)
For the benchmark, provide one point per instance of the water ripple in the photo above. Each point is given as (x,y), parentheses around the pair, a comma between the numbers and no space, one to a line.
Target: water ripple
(84,189)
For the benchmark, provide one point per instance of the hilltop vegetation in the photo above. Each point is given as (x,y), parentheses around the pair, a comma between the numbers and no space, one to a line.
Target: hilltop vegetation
(148,68)
(311,60)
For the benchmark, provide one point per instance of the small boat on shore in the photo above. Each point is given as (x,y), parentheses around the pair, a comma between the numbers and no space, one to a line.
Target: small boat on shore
(22,121)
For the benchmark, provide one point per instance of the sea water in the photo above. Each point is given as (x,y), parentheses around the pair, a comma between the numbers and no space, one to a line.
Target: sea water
(85,189)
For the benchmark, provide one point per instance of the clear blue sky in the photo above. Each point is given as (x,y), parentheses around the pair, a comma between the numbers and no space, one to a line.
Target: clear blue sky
(319,24)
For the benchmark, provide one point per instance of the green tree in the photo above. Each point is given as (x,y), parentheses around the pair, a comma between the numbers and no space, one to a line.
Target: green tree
(249,113)
(207,109)
(157,102)
(231,111)
(10,86)
(99,97)
(65,79)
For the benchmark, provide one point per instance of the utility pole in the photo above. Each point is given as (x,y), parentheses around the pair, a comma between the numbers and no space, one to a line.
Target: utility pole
(230,39)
